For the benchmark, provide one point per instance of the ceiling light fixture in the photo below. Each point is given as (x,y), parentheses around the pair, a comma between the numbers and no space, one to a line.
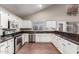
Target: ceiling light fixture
(40,6)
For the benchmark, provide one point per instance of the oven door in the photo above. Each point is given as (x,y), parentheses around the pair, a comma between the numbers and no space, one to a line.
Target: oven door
(18,43)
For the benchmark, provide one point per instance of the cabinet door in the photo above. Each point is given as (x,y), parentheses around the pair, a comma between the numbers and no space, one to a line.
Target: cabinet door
(4,20)
(54,40)
(43,37)
(3,48)
(37,38)
(25,38)
(60,44)
(51,25)
(70,48)
(11,46)
(26,24)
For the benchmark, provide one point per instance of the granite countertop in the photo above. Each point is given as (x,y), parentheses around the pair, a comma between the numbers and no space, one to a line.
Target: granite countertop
(3,39)
(68,36)
(74,38)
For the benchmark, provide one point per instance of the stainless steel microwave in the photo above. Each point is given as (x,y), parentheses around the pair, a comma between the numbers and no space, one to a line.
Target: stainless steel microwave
(12,25)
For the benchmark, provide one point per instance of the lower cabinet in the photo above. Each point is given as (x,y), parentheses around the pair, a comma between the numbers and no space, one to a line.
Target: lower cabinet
(55,40)
(70,48)
(60,42)
(7,47)
(10,47)
(3,48)
(25,38)
(43,37)
(65,46)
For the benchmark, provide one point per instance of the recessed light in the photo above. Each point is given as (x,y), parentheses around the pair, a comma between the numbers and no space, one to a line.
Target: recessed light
(40,6)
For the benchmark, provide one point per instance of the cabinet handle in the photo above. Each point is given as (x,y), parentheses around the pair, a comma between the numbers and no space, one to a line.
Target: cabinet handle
(68,43)
(7,46)
(77,52)
(63,44)
(2,45)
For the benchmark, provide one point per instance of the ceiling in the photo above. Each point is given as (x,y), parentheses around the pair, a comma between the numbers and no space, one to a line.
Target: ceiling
(24,10)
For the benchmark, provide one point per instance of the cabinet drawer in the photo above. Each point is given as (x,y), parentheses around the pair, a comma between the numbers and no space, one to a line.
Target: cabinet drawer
(70,43)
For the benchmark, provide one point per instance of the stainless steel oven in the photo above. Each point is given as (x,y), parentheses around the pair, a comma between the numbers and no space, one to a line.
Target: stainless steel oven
(18,42)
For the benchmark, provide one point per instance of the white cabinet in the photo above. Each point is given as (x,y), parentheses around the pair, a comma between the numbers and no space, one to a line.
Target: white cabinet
(4,19)
(43,37)
(51,25)
(64,46)
(11,46)
(3,48)
(20,22)
(60,42)
(54,40)
(25,38)
(7,47)
(26,24)
(70,48)
(5,16)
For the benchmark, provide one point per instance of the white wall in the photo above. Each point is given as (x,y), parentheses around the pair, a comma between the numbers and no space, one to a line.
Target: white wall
(55,12)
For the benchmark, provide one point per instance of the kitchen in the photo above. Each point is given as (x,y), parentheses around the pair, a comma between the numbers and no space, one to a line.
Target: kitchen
(39,29)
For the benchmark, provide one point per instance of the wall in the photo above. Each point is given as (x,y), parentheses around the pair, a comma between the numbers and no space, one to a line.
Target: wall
(55,12)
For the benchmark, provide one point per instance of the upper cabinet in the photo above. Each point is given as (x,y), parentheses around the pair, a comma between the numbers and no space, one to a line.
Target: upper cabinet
(72,27)
(26,24)
(4,19)
(19,20)
(51,25)
(6,16)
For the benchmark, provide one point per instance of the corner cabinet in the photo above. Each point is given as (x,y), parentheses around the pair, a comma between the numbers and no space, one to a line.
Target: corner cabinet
(4,19)
(65,46)
(70,48)
(7,47)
